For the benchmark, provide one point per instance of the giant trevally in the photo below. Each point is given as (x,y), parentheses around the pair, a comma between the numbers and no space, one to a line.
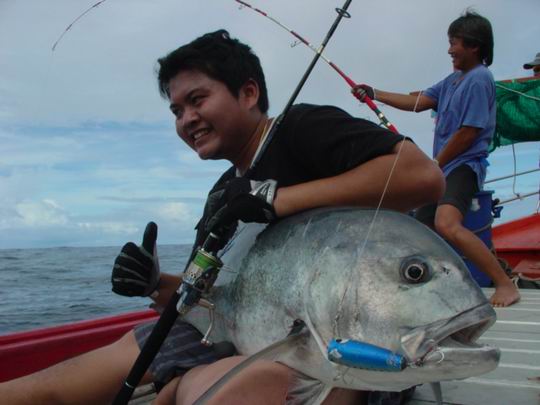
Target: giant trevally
(352,276)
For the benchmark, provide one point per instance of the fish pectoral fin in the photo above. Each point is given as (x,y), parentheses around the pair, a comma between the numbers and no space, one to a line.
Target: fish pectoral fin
(307,390)
(275,350)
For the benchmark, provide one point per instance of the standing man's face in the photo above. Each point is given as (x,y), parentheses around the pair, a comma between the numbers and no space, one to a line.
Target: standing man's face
(463,58)
(536,70)
(213,122)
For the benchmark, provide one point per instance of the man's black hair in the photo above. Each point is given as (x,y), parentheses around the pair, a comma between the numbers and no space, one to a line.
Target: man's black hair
(220,57)
(475,31)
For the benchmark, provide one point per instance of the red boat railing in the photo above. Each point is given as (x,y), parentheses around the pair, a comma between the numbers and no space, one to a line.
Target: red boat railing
(26,352)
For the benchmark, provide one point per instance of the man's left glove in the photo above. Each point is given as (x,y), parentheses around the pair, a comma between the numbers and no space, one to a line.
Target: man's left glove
(241,199)
(360,91)
(136,268)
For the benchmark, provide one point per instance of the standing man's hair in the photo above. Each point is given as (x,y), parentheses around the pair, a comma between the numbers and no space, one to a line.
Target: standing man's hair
(220,57)
(474,30)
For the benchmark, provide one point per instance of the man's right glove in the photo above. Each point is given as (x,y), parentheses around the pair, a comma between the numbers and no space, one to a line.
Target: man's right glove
(360,91)
(136,268)
(241,199)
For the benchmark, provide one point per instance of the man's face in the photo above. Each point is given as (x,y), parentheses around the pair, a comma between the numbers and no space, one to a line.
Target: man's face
(463,58)
(536,70)
(209,118)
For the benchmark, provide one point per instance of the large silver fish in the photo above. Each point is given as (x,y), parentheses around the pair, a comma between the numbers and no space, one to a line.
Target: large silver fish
(400,288)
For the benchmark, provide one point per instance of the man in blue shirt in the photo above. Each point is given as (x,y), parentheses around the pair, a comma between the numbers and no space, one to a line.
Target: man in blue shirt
(465,106)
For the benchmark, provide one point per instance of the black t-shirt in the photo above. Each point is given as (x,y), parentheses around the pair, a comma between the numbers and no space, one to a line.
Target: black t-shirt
(315,142)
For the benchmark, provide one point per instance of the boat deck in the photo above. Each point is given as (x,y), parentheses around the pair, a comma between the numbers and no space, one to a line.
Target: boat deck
(517,379)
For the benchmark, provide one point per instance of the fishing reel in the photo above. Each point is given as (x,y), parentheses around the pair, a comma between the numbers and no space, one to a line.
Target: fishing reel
(198,279)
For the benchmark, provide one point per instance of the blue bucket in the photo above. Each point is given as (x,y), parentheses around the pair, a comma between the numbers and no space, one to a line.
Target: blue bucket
(478,220)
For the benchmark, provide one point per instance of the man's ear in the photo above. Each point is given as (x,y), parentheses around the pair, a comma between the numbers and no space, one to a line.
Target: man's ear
(249,93)
(476,50)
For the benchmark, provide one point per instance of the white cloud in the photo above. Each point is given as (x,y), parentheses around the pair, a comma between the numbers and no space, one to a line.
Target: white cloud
(42,213)
(176,211)
(114,228)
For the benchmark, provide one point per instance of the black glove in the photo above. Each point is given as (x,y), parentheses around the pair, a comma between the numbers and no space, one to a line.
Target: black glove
(136,268)
(241,199)
(360,91)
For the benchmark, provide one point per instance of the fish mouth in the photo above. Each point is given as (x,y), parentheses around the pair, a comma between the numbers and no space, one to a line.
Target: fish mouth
(453,341)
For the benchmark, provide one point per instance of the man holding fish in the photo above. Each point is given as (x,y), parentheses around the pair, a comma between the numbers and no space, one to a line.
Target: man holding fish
(319,156)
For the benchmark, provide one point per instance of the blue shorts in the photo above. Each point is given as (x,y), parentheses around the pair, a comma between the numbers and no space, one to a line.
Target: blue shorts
(181,350)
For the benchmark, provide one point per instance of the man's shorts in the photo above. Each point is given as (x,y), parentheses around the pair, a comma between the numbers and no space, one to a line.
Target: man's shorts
(181,350)
(461,186)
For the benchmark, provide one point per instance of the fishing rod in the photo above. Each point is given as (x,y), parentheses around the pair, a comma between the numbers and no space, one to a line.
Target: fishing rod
(350,82)
(197,279)
(342,13)
(74,21)
(201,273)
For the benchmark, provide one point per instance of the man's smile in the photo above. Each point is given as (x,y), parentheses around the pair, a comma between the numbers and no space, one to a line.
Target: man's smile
(195,135)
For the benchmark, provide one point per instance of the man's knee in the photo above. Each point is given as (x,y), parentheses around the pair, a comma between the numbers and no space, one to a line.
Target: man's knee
(426,178)
(447,227)
(431,180)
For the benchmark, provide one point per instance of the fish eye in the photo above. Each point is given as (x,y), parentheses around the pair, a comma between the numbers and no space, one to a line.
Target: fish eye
(415,271)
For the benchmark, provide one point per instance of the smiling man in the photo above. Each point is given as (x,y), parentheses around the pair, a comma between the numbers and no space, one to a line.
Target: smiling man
(465,106)
(319,156)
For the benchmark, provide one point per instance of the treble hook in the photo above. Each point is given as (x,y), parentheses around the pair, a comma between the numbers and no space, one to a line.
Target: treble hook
(296,42)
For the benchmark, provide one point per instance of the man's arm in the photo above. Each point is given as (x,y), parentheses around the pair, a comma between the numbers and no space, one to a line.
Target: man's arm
(415,181)
(168,284)
(405,102)
(462,140)
(415,101)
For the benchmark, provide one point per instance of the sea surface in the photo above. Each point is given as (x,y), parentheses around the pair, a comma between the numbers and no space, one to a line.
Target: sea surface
(54,286)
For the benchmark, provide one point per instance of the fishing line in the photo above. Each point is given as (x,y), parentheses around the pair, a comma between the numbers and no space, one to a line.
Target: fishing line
(417,100)
(394,164)
(515,172)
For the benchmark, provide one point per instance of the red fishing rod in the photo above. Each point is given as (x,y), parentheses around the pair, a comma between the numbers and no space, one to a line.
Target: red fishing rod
(349,81)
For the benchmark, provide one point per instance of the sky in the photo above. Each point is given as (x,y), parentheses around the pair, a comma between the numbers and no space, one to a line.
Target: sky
(88,151)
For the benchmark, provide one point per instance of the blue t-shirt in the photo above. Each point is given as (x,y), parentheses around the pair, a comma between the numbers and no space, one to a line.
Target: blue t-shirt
(465,100)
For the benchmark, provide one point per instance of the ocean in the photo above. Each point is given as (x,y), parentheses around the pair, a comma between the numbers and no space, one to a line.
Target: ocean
(54,286)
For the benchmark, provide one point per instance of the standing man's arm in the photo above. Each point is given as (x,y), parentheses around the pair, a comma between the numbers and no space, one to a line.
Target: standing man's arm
(460,142)
(407,102)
